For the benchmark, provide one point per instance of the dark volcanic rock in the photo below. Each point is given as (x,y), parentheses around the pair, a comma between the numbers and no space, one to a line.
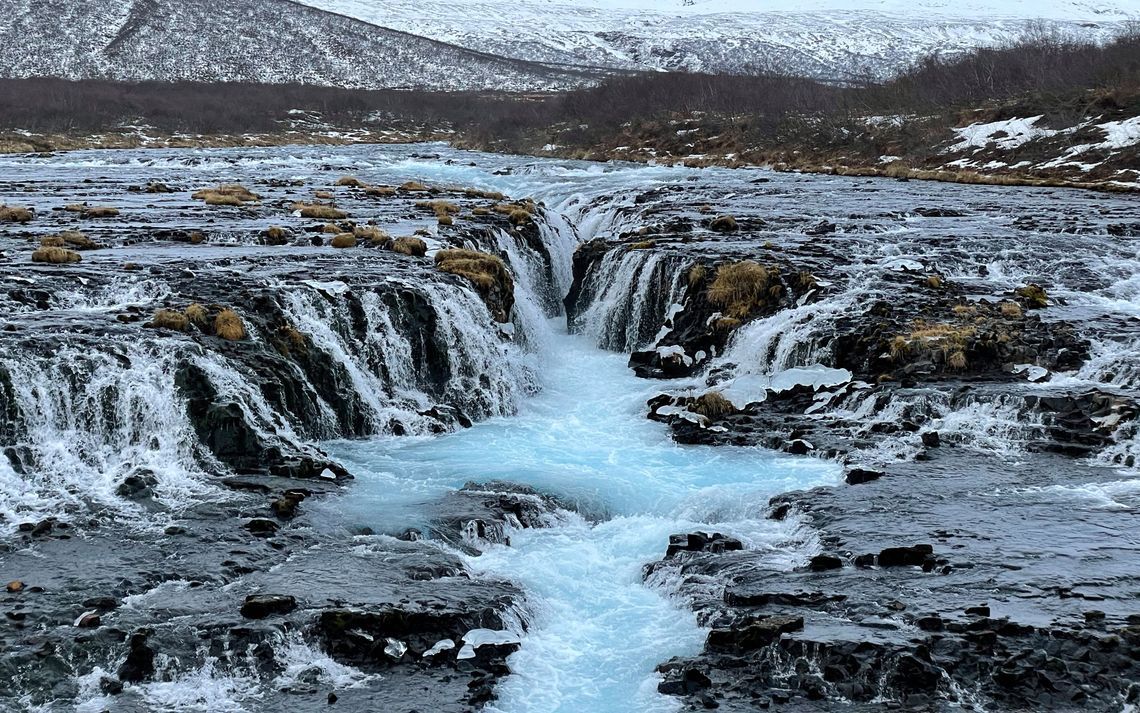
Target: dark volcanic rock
(259,606)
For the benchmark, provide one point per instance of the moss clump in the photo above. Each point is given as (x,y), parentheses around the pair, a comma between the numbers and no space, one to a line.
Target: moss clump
(445,220)
(480,210)
(1011,310)
(100,212)
(319,211)
(740,288)
(228,325)
(350,181)
(410,246)
(344,240)
(55,255)
(169,319)
(724,224)
(1034,295)
(519,217)
(712,405)
(332,229)
(324,195)
(14,214)
(229,194)
(483,270)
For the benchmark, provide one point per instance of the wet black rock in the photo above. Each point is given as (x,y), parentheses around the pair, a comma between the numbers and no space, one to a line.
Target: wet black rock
(825,562)
(260,606)
(139,664)
(702,542)
(858,476)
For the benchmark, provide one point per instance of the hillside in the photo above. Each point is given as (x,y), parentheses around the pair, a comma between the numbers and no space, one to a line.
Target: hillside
(266,41)
(824,39)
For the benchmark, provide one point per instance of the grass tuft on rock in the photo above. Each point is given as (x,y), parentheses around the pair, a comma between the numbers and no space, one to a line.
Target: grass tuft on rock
(344,240)
(712,405)
(414,187)
(482,269)
(55,255)
(740,288)
(15,214)
(319,211)
(724,224)
(228,325)
(350,181)
(170,319)
(1011,310)
(1034,295)
(415,247)
(228,194)
(198,315)
(374,235)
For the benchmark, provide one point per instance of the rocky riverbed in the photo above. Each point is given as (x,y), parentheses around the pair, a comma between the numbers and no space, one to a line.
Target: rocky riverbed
(313,441)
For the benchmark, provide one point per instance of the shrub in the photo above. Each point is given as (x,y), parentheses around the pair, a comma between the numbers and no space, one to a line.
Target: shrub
(740,288)
(55,255)
(724,224)
(231,194)
(169,319)
(482,269)
(344,240)
(319,211)
(712,405)
(228,325)
(13,214)
(410,246)
(351,181)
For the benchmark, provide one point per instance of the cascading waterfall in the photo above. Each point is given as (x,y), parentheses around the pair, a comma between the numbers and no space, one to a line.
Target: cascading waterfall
(87,420)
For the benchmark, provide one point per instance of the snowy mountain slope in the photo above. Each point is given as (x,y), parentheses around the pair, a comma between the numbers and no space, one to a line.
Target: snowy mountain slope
(831,39)
(242,40)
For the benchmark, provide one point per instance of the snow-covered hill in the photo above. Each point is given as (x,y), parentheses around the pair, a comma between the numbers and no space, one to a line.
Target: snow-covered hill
(833,39)
(242,40)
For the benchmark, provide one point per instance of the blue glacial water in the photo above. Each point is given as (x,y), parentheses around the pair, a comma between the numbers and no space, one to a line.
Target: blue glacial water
(597,631)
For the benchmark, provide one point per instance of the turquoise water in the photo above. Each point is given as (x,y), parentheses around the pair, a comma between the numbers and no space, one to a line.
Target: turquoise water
(597,631)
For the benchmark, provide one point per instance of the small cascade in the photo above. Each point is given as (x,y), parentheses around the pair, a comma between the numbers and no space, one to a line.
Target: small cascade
(623,299)
(92,424)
